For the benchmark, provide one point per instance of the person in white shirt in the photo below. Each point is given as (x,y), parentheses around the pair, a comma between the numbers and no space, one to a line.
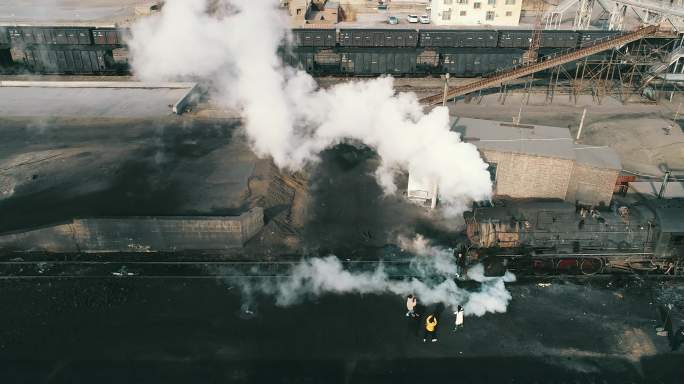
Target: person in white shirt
(459,318)
(411,306)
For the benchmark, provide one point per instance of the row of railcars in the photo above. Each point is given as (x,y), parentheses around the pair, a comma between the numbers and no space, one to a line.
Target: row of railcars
(428,38)
(344,51)
(463,62)
(343,37)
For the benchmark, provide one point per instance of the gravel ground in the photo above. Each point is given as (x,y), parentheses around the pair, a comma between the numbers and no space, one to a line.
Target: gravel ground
(172,330)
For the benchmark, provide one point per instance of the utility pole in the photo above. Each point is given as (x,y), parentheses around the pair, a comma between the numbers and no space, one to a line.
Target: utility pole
(446,90)
(433,203)
(579,131)
(677,113)
(664,185)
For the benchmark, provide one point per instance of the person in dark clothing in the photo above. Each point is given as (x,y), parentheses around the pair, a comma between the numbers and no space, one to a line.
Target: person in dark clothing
(677,339)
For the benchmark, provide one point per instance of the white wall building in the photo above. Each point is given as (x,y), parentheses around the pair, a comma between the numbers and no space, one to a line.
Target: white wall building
(476,12)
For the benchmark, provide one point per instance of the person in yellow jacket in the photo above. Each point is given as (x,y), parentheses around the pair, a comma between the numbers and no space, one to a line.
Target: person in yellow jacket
(430,328)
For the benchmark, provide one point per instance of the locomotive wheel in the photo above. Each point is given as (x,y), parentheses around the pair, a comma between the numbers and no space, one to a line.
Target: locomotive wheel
(542,267)
(568,266)
(591,266)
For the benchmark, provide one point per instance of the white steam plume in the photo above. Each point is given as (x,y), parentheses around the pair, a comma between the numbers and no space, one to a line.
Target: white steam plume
(436,278)
(285,115)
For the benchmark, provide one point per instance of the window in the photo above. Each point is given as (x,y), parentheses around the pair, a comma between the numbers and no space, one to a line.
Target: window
(446,15)
(463,13)
(490,15)
(476,5)
(491,2)
(510,2)
(509,13)
(448,2)
(462,1)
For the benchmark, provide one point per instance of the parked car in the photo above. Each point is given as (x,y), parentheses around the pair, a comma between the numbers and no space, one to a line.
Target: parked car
(393,20)
(425,19)
(412,18)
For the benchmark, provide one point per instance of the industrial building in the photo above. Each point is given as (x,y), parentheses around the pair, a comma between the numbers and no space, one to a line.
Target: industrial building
(140,234)
(536,161)
(476,12)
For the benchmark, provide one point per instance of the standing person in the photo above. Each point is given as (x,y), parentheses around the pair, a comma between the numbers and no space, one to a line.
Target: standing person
(411,306)
(430,328)
(459,318)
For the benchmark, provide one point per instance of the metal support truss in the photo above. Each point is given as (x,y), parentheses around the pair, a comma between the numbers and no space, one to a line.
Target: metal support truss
(583,14)
(625,73)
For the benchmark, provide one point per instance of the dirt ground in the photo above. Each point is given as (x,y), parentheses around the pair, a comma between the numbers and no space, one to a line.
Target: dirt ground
(176,330)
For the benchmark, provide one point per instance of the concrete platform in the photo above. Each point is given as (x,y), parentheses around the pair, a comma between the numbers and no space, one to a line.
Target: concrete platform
(71,12)
(96,99)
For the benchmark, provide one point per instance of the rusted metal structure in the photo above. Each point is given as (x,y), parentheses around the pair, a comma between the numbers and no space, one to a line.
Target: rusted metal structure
(548,62)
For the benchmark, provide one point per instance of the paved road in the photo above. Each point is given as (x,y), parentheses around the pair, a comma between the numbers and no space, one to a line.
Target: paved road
(137,330)
(66,10)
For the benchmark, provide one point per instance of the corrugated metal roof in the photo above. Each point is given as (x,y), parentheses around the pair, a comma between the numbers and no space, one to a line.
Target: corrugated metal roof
(598,157)
(538,140)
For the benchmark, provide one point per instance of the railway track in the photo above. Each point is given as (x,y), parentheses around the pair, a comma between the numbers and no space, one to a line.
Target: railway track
(395,269)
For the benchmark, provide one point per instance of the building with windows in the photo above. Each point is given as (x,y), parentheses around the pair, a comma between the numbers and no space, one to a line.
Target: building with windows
(299,9)
(476,12)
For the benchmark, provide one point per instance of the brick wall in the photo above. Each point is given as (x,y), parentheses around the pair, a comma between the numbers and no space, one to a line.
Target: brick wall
(140,234)
(591,185)
(521,175)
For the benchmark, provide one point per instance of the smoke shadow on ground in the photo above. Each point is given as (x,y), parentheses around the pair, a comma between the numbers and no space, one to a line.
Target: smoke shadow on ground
(130,192)
(349,214)
(144,182)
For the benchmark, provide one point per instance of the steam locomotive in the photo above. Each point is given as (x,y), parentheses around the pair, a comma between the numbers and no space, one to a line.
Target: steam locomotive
(559,237)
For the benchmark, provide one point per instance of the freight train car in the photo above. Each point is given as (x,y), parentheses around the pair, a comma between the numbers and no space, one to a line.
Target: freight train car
(4,37)
(587,38)
(109,36)
(548,39)
(555,236)
(314,37)
(475,62)
(25,36)
(377,62)
(459,39)
(69,61)
(5,59)
(396,38)
(300,58)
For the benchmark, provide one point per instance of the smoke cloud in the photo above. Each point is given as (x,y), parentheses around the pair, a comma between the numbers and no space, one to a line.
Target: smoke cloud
(286,116)
(435,276)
